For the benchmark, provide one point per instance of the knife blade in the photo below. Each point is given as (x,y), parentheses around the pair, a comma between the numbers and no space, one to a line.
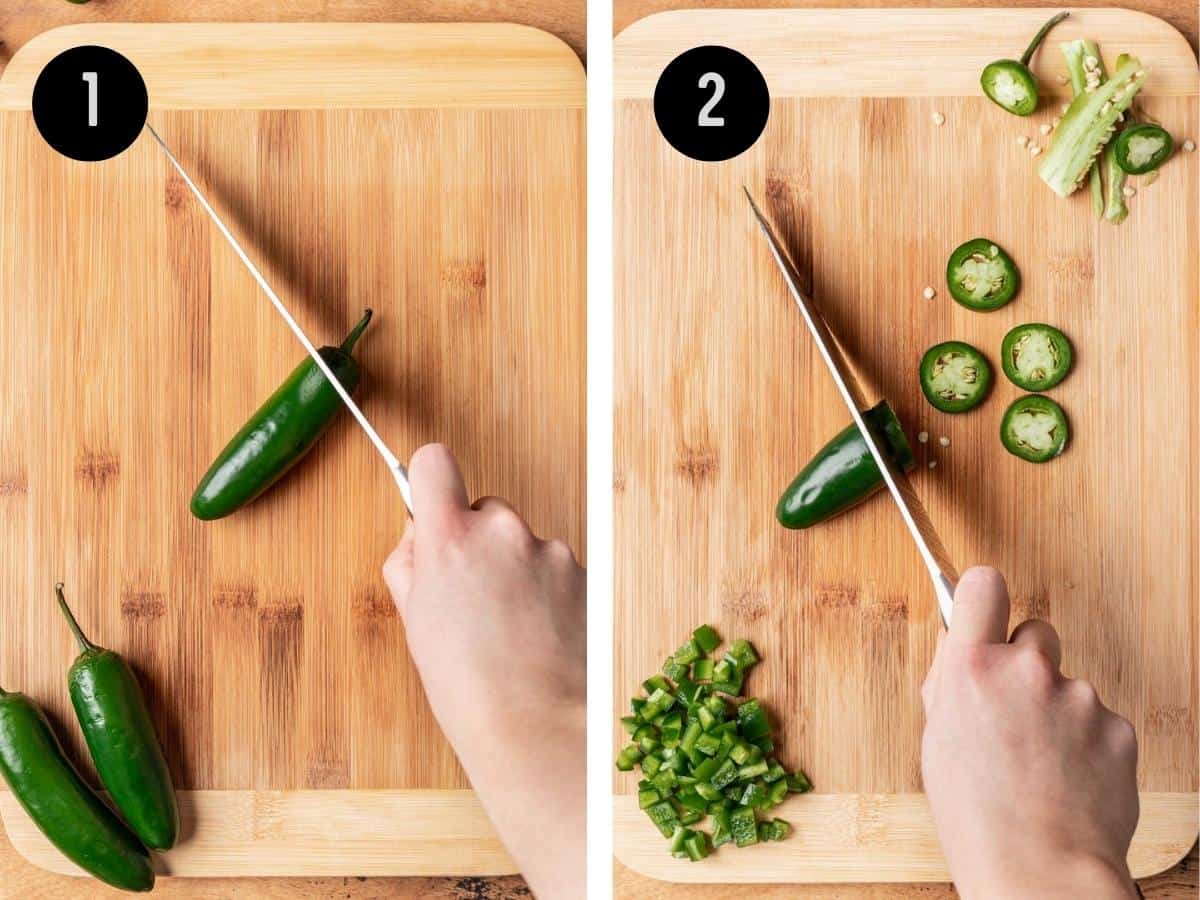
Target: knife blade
(912,510)
(399,472)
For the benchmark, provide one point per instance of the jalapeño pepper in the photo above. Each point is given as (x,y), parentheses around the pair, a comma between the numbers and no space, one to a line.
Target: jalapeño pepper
(63,807)
(280,433)
(120,738)
(843,473)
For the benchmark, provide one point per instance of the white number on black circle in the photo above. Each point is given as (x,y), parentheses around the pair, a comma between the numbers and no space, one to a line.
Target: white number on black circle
(91,79)
(718,86)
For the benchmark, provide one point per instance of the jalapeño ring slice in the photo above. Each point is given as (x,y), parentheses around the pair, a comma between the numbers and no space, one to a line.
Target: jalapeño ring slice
(955,377)
(1036,356)
(981,276)
(1034,428)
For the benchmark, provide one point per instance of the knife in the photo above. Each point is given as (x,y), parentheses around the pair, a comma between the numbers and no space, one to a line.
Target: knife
(912,510)
(393,463)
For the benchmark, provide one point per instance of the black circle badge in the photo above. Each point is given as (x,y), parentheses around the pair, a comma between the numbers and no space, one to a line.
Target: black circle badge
(90,103)
(711,103)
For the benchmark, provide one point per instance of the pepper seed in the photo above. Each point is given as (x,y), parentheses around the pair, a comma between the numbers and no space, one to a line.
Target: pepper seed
(939,119)
(933,463)
(944,441)
(929,293)
(1044,128)
(1022,141)
(1035,150)
(1189,145)
(923,437)
(1128,191)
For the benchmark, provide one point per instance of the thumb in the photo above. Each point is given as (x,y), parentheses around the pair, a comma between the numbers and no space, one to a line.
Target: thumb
(398,571)
(981,608)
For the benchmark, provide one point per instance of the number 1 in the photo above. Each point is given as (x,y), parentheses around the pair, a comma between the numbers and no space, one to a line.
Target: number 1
(91,79)
(718,84)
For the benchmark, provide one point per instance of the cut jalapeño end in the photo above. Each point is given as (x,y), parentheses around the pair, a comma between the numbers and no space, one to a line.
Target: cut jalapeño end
(955,377)
(1011,86)
(981,276)
(1036,356)
(1034,428)
(1143,148)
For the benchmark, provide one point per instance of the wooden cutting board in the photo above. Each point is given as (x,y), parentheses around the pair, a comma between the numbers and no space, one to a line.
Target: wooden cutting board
(721,399)
(432,172)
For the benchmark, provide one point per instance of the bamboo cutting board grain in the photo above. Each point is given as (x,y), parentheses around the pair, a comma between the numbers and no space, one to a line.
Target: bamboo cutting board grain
(721,399)
(449,199)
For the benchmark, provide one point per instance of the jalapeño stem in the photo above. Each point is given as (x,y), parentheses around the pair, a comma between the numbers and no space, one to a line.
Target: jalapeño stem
(1040,36)
(84,644)
(356,333)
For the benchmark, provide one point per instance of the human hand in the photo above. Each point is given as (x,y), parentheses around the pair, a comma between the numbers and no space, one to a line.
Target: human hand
(496,624)
(1031,780)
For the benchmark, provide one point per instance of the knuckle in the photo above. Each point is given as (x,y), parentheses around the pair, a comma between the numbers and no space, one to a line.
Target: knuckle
(1082,693)
(559,550)
(1034,666)
(506,522)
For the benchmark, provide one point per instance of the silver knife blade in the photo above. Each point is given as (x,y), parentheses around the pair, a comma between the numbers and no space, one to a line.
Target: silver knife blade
(399,473)
(912,510)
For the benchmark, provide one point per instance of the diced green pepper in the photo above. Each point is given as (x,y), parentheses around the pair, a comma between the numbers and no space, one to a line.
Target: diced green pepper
(628,757)
(696,846)
(664,816)
(775,772)
(779,829)
(708,744)
(656,683)
(647,797)
(690,735)
(706,637)
(752,795)
(742,826)
(752,721)
(689,799)
(677,838)
(690,816)
(743,651)
(674,670)
(665,781)
(725,776)
(754,770)
(776,792)
(702,670)
(651,764)
(688,653)
(706,770)
(798,783)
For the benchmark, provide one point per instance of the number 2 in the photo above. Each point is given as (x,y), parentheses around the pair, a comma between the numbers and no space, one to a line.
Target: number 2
(91,79)
(718,84)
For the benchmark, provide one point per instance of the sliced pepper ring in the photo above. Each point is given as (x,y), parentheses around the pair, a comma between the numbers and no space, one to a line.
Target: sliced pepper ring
(1143,148)
(955,377)
(1035,429)
(981,276)
(1036,356)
